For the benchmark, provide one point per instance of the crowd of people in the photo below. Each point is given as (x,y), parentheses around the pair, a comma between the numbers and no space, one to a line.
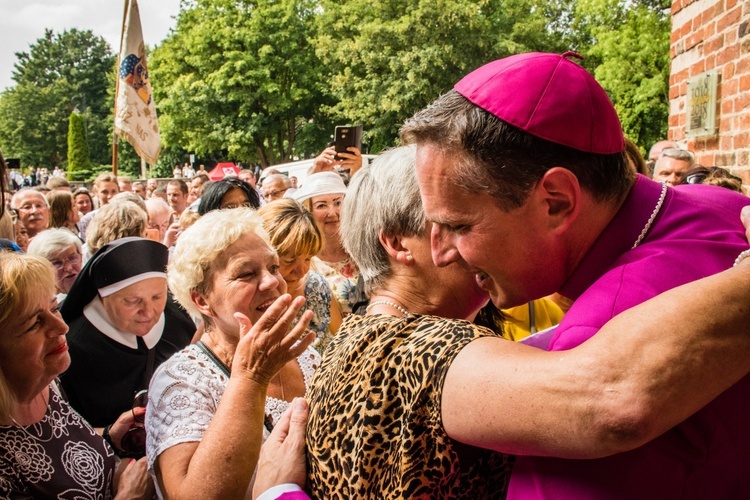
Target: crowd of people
(391,332)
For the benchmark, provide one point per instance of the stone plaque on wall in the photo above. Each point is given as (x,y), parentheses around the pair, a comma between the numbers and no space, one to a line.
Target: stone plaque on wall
(700,120)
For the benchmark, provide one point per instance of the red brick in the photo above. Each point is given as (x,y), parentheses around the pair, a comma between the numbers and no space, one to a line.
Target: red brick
(724,127)
(741,102)
(743,65)
(676,7)
(698,68)
(730,37)
(709,29)
(713,45)
(742,157)
(729,4)
(725,142)
(730,19)
(710,62)
(746,46)
(693,40)
(743,121)
(724,159)
(727,106)
(674,120)
(728,54)
(713,11)
(743,173)
(674,91)
(728,71)
(728,87)
(741,140)
(744,83)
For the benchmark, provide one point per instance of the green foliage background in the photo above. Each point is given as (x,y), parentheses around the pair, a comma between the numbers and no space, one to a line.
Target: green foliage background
(264,81)
(79,162)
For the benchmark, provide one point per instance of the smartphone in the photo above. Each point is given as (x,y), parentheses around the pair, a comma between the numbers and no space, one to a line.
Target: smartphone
(346,136)
(152,234)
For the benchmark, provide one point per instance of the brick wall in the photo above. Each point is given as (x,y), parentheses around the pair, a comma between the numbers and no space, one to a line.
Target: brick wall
(713,35)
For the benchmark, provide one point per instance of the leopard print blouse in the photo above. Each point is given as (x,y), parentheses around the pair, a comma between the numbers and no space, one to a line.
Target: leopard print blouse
(375,428)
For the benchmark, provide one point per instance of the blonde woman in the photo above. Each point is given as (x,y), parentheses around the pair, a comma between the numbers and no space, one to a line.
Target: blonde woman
(297,239)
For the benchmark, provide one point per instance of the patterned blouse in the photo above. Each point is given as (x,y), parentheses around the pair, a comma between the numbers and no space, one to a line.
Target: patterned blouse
(185,393)
(342,276)
(375,428)
(60,456)
(318,297)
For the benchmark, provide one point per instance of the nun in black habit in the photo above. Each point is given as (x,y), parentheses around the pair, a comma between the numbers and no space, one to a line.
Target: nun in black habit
(123,324)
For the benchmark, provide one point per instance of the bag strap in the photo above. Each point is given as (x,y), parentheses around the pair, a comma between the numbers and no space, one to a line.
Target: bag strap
(210,354)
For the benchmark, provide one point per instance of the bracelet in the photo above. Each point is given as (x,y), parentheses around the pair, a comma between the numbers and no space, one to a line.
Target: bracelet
(108,438)
(742,256)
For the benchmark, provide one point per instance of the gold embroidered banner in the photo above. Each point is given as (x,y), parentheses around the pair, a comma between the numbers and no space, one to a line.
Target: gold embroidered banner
(135,113)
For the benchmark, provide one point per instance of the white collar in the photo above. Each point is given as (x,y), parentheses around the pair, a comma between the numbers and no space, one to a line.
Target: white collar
(98,317)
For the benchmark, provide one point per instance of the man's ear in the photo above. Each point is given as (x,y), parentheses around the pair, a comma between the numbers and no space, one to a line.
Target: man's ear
(394,246)
(560,192)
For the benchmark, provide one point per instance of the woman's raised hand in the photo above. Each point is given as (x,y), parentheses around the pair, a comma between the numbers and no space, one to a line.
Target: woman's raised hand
(270,343)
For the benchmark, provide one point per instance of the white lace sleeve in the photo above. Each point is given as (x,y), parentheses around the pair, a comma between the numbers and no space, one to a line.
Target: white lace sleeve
(183,396)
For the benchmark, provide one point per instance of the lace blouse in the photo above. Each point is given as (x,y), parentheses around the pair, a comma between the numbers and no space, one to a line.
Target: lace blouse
(184,395)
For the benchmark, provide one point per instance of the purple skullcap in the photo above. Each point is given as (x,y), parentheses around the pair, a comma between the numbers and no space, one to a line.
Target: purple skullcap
(550,97)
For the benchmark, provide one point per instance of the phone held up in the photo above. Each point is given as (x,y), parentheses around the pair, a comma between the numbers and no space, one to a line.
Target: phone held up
(346,136)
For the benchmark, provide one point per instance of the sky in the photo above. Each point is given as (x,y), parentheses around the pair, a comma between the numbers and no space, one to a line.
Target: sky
(22,22)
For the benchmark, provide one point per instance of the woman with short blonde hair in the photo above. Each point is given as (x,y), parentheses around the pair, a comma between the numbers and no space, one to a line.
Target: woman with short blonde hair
(114,221)
(297,239)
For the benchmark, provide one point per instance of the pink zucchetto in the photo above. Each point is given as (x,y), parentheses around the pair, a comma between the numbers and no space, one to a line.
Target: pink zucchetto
(549,97)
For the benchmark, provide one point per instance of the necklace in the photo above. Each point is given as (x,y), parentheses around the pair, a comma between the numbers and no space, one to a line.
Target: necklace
(24,427)
(657,208)
(388,303)
(281,385)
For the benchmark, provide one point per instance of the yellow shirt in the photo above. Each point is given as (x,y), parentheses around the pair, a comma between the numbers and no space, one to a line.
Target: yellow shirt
(517,324)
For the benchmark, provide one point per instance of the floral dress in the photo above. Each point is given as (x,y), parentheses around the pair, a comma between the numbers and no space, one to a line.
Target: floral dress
(342,276)
(318,300)
(60,456)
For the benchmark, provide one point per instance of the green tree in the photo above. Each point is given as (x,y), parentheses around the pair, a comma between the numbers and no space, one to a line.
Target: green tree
(386,60)
(237,78)
(79,162)
(627,49)
(59,73)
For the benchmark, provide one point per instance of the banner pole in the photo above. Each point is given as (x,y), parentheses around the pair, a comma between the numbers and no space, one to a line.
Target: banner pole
(117,88)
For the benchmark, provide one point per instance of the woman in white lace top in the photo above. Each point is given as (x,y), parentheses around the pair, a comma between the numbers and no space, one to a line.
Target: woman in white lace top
(209,403)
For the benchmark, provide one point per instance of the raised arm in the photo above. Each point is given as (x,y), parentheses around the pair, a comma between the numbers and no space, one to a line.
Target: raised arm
(647,370)
(222,463)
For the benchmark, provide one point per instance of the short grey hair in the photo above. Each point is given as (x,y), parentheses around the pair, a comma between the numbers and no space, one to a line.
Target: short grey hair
(677,154)
(53,241)
(131,197)
(383,197)
(156,205)
(199,247)
(286,180)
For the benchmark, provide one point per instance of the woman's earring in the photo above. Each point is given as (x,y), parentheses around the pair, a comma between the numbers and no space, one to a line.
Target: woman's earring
(409,258)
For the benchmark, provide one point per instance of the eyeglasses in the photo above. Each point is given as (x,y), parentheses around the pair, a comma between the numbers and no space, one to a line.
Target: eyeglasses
(695,178)
(13,215)
(273,194)
(133,443)
(27,207)
(74,260)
